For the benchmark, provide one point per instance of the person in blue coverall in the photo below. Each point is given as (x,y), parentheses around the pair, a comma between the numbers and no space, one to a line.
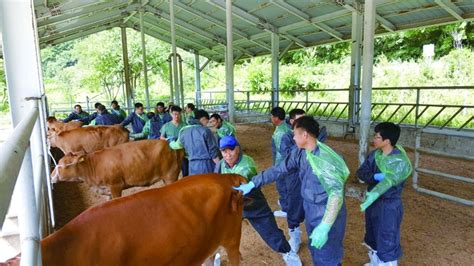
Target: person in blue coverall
(116,110)
(138,120)
(257,211)
(105,118)
(152,128)
(199,144)
(90,119)
(164,116)
(281,128)
(295,214)
(323,174)
(77,114)
(385,171)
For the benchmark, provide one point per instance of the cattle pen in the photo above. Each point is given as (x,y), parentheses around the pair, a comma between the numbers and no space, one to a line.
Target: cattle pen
(439,197)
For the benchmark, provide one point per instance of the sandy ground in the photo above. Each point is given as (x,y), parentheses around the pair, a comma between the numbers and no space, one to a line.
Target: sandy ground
(434,231)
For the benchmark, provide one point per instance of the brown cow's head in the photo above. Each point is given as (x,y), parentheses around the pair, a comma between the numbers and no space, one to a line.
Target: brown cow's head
(68,168)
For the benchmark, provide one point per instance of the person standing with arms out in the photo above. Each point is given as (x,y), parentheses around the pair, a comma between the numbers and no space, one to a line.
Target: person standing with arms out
(199,144)
(116,110)
(385,171)
(257,212)
(281,128)
(295,215)
(323,174)
(138,120)
(170,132)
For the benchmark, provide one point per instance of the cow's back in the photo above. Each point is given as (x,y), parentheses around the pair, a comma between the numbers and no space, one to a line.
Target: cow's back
(179,224)
(138,163)
(91,138)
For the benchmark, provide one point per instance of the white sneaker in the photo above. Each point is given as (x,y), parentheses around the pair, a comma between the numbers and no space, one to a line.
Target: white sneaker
(374,259)
(291,259)
(295,239)
(279,213)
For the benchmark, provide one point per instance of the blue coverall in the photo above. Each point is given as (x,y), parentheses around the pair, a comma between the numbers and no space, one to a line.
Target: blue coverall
(76,116)
(277,157)
(383,218)
(314,204)
(295,213)
(138,122)
(201,147)
(156,123)
(257,212)
(107,119)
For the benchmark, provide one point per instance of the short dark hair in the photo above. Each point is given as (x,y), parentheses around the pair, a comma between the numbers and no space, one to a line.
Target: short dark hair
(293,113)
(162,104)
(190,106)
(200,114)
(388,130)
(138,105)
(101,108)
(97,104)
(176,108)
(114,102)
(278,112)
(77,105)
(216,116)
(309,124)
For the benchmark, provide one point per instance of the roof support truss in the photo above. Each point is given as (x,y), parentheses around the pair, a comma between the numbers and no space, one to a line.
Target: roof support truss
(451,8)
(295,11)
(200,32)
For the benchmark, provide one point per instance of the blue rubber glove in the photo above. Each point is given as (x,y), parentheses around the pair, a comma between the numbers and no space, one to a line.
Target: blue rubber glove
(379,176)
(319,236)
(370,197)
(245,188)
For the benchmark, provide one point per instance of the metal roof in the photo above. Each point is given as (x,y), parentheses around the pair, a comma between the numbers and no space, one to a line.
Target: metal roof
(200,24)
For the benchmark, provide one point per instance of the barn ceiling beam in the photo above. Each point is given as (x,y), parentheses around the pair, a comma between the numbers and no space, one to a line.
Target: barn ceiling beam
(451,8)
(256,21)
(295,11)
(193,29)
(219,23)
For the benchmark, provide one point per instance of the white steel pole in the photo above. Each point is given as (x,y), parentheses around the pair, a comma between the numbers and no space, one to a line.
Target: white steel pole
(368,60)
(145,70)
(23,75)
(197,73)
(174,55)
(229,61)
(357,21)
(275,71)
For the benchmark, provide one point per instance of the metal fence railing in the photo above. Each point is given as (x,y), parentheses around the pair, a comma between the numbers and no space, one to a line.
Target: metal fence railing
(416,106)
(32,184)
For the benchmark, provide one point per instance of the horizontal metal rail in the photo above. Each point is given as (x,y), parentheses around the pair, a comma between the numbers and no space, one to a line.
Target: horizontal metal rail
(11,159)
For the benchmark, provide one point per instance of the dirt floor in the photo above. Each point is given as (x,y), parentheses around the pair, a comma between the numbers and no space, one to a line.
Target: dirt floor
(434,231)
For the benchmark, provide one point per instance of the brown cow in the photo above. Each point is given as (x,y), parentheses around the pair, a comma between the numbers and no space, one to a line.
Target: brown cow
(55,126)
(137,163)
(89,139)
(179,224)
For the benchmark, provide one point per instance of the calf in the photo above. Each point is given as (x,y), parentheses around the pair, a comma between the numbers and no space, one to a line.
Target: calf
(55,126)
(179,224)
(137,163)
(88,139)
